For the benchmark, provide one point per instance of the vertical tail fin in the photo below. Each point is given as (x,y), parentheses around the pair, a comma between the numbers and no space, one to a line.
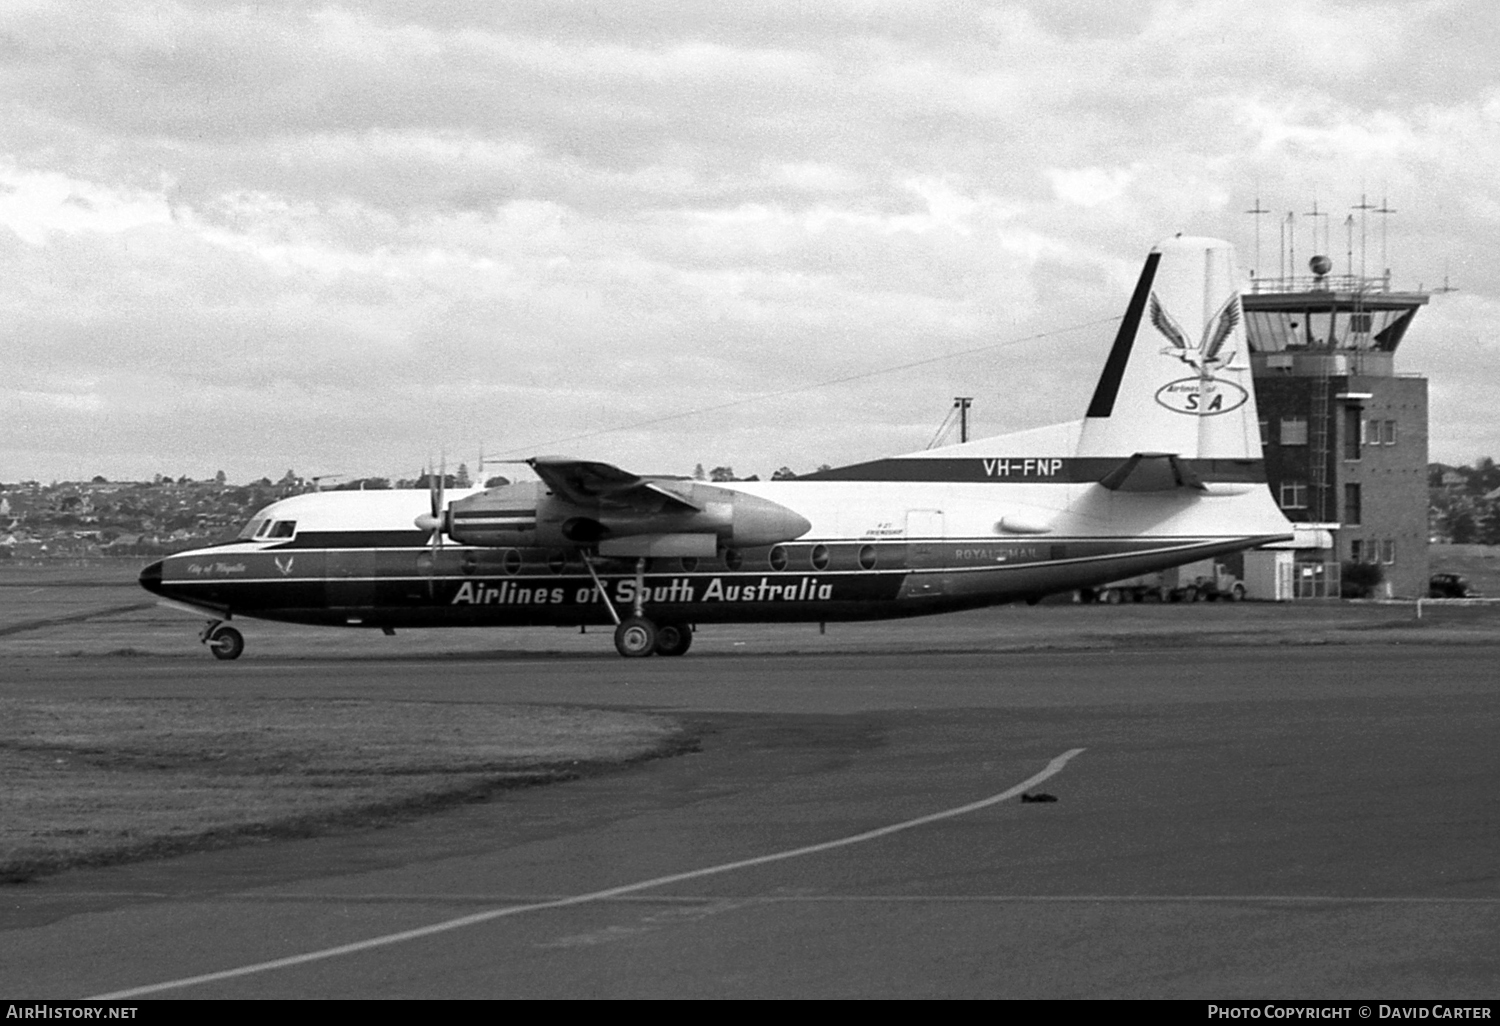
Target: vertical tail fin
(1178,377)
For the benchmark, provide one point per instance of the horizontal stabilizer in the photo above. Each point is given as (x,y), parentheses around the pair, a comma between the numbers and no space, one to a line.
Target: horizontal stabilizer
(1152,472)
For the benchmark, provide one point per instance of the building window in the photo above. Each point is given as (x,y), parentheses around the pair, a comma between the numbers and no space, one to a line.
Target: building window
(1265,431)
(1353,429)
(1351,505)
(1356,551)
(1294,495)
(1293,430)
(1388,432)
(1388,551)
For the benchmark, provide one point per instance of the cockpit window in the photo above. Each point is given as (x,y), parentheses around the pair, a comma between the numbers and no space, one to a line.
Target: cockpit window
(262,528)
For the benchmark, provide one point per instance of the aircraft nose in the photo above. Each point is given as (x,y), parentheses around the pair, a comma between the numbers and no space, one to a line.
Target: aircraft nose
(151,577)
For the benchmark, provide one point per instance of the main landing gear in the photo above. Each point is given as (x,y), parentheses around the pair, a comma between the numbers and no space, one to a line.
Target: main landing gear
(224,642)
(636,636)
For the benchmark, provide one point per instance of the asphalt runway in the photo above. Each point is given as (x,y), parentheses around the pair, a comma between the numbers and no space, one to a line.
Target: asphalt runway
(1274,822)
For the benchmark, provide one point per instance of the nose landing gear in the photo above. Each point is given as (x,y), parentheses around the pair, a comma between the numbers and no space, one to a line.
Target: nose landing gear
(224,642)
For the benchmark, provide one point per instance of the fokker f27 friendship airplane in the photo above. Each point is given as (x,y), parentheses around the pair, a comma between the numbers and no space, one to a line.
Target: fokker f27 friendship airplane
(1164,468)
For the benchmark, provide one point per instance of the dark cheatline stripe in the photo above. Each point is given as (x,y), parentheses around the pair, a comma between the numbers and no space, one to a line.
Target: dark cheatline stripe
(356,540)
(1027,470)
(1103,403)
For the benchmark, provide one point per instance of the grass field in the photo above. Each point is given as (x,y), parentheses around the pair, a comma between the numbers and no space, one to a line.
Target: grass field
(113,779)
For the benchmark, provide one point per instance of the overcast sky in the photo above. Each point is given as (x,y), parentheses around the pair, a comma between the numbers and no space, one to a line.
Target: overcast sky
(340,237)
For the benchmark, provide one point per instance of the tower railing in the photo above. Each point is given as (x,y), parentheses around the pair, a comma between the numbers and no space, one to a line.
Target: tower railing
(1320,283)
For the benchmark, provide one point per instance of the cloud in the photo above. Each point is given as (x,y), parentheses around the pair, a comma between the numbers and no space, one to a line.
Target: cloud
(341,237)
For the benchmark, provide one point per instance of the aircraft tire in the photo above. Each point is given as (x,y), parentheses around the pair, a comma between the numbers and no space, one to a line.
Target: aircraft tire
(673,639)
(635,637)
(226,643)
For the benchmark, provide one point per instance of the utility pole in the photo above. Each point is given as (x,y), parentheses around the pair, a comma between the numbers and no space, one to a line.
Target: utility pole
(961,403)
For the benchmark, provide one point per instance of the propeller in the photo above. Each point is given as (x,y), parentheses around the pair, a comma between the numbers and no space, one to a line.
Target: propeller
(436,520)
(433,521)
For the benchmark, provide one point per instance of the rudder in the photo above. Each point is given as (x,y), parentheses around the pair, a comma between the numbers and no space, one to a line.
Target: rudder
(1177,379)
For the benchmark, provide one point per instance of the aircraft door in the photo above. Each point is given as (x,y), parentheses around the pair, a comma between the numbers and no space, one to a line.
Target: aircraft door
(925,530)
(351,578)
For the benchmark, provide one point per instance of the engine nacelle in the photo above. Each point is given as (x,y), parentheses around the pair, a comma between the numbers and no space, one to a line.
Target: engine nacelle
(505,516)
(521,515)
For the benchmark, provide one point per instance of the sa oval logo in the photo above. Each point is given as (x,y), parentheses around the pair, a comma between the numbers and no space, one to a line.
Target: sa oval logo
(1201,397)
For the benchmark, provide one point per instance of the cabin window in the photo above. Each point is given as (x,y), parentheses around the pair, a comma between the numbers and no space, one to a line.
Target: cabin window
(556,561)
(470,563)
(733,559)
(819,557)
(689,563)
(777,558)
(512,561)
(867,557)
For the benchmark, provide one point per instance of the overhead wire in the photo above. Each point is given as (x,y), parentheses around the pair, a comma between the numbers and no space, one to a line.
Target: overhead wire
(827,383)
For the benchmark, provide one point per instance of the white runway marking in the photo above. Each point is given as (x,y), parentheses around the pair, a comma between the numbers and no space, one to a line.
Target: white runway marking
(1054,767)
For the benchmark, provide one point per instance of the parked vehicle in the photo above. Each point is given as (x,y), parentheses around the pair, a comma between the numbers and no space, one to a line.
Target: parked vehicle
(1203,581)
(1446,585)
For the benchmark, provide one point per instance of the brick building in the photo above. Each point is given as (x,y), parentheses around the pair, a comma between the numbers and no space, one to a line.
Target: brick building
(1345,435)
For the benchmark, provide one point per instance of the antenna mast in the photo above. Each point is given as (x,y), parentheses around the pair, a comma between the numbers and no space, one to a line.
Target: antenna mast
(1364,207)
(1291,242)
(1384,210)
(1315,214)
(1257,211)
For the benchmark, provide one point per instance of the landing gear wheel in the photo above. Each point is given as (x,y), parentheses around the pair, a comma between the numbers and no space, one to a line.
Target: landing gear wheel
(226,643)
(635,637)
(673,639)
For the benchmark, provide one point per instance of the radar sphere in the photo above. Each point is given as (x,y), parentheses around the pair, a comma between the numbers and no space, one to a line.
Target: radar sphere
(1320,265)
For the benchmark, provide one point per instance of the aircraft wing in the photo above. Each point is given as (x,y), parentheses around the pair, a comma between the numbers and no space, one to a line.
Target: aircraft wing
(590,483)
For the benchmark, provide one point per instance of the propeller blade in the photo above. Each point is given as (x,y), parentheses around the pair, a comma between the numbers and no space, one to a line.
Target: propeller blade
(434,521)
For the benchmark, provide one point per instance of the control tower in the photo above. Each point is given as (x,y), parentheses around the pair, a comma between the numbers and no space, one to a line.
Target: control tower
(1345,434)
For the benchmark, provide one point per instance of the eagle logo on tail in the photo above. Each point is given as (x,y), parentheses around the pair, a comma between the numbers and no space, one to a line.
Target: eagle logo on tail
(1208,355)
